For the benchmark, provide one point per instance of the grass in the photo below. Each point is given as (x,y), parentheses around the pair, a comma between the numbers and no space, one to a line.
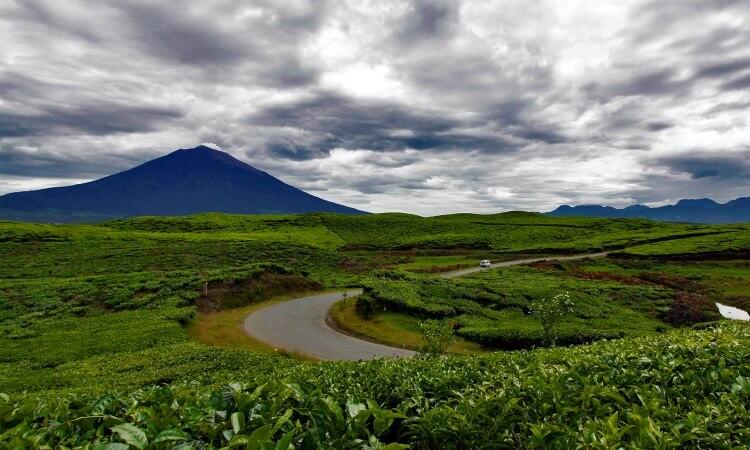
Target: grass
(390,328)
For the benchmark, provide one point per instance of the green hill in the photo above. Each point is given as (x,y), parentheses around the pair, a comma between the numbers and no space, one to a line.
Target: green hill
(95,348)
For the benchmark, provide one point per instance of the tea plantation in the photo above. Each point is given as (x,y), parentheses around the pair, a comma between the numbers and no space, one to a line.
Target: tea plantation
(95,350)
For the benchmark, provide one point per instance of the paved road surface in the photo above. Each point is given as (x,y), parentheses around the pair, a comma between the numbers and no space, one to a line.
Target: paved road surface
(515,262)
(300,325)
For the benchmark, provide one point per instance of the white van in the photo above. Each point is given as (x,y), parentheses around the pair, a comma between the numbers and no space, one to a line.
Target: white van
(485,263)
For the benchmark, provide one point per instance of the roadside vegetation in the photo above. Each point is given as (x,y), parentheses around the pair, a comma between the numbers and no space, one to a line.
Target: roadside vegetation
(391,328)
(128,333)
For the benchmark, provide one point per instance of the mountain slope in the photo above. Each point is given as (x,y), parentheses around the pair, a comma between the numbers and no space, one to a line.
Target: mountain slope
(697,211)
(186,181)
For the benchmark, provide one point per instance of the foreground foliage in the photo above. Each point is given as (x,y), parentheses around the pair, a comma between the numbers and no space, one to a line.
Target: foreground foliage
(688,388)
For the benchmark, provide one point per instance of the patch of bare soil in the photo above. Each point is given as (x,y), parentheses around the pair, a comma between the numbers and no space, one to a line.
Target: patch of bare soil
(259,287)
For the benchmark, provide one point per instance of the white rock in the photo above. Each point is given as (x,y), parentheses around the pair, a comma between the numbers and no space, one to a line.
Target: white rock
(730,312)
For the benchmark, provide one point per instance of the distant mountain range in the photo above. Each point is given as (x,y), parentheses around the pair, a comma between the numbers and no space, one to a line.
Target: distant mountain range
(699,211)
(186,181)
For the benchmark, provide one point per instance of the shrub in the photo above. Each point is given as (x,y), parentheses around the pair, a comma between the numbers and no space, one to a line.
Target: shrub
(551,312)
(517,339)
(364,306)
(689,308)
(437,337)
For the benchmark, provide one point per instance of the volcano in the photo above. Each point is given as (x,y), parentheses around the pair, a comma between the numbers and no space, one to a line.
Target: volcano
(186,181)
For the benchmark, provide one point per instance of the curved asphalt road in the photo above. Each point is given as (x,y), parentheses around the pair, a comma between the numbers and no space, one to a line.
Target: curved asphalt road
(300,325)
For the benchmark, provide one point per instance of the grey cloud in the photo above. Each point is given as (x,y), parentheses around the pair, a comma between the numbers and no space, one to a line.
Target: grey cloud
(40,108)
(737,83)
(726,167)
(173,34)
(376,186)
(715,50)
(724,68)
(546,136)
(97,119)
(337,121)
(658,125)
(657,17)
(33,12)
(428,19)
(390,162)
(19,162)
(658,82)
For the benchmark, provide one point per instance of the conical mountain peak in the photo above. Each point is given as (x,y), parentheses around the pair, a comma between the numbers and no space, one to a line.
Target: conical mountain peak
(186,181)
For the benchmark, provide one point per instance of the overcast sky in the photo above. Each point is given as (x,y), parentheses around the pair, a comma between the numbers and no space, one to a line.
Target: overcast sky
(425,106)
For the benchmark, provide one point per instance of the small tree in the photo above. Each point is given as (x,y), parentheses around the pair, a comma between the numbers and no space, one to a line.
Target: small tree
(550,312)
(364,307)
(437,337)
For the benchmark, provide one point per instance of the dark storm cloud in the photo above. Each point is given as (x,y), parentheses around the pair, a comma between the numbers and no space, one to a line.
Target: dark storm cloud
(546,136)
(428,19)
(98,119)
(658,82)
(328,112)
(655,83)
(691,54)
(726,167)
(38,108)
(658,125)
(339,122)
(261,50)
(17,162)
(720,69)
(718,175)
(173,34)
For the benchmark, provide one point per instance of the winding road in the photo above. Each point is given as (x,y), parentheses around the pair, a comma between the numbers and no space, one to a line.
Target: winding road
(301,325)
(516,262)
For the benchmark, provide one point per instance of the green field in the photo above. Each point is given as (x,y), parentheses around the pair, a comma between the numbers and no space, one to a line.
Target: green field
(95,344)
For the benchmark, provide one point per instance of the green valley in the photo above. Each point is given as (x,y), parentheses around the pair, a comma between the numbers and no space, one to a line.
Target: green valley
(111,333)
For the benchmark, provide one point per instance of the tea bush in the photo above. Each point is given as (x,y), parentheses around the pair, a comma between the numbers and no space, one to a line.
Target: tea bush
(494,308)
(684,389)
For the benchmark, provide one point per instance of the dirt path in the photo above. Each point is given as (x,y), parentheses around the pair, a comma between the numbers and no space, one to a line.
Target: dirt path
(300,326)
